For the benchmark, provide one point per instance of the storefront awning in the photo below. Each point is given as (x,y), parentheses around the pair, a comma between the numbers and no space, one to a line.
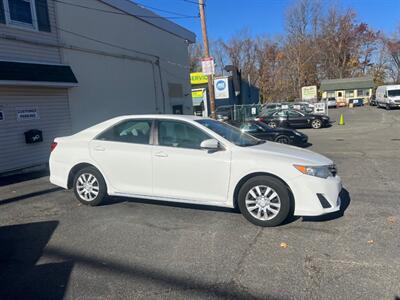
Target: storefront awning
(35,74)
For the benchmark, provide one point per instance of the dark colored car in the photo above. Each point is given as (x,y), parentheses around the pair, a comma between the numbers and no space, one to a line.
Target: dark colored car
(292,118)
(356,101)
(280,135)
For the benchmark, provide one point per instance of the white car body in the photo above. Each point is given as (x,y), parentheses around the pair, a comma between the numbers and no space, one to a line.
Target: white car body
(192,175)
(388,96)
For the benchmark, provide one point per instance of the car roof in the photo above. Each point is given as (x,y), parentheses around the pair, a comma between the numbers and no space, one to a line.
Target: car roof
(159,116)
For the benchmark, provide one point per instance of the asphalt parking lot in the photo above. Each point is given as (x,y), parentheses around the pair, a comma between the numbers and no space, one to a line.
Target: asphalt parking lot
(53,247)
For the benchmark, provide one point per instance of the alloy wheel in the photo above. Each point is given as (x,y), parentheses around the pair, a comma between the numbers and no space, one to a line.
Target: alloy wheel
(316,124)
(87,187)
(263,202)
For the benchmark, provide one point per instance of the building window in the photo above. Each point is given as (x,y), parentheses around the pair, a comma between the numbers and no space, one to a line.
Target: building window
(21,13)
(349,94)
(330,94)
(360,93)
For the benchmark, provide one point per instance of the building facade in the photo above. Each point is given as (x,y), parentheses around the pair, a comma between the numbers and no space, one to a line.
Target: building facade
(66,65)
(347,88)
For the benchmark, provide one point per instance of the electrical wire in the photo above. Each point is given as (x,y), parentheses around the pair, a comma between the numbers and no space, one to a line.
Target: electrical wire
(126,14)
(158,59)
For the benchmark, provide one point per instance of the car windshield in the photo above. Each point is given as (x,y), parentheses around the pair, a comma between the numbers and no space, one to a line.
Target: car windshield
(230,133)
(394,93)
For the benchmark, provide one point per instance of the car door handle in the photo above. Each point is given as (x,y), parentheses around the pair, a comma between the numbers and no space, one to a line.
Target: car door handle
(161,154)
(99,148)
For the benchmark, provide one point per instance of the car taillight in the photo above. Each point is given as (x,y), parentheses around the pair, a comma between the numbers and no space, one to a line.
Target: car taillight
(53,146)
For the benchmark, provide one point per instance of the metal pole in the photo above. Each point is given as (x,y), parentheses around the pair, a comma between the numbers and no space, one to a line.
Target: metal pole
(207,54)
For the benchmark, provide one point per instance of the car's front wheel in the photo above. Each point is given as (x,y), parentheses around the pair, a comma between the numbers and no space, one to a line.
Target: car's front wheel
(89,186)
(282,139)
(264,201)
(316,124)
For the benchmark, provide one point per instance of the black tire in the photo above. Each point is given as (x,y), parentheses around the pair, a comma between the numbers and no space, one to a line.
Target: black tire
(316,124)
(101,184)
(272,124)
(387,107)
(275,184)
(283,139)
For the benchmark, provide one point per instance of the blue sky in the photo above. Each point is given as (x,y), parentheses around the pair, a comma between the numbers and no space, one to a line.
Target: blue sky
(266,17)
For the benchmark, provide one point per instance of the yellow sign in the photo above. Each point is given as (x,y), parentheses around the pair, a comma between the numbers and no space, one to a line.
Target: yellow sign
(198,78)
(197,94)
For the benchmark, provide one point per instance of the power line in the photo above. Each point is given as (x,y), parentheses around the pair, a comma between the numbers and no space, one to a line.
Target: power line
(126,14)
(158,58)
(193,2)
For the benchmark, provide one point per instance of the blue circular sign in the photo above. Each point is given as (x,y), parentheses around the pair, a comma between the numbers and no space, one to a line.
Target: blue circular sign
(221,85)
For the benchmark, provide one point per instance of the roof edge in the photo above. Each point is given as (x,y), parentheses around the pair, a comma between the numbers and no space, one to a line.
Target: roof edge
(136,10)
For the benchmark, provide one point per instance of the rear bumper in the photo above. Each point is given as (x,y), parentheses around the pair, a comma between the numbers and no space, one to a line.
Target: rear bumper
(306,188)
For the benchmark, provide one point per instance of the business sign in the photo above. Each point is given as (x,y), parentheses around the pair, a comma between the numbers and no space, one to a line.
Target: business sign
(207,66)
(27,114)
(197,93)
(198,78)
(221,88)
(309,92)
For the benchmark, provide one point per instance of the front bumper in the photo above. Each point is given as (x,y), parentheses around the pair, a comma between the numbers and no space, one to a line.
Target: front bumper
(300,140)
(394,104)
(306,188)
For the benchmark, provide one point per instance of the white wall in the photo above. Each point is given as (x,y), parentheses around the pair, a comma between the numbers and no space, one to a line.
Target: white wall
(113,78)
(26,44)
(52,105)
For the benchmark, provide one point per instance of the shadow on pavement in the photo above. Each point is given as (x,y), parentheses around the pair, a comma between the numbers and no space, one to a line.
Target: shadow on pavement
(116,200)
(346,199)
(153,276)
(28,196)
(21,248)
(12,179)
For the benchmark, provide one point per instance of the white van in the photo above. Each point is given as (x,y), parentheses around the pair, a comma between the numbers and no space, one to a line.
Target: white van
(388,96)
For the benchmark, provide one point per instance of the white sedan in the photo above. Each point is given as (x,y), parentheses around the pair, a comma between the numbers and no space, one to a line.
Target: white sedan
(194,160)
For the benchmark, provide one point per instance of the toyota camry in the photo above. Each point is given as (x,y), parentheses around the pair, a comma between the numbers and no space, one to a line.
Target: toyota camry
(194,160)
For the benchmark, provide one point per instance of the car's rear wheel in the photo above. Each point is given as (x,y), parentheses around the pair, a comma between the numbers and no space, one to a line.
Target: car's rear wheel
(282,139)
(272,124)
(264,201)
(316,124)
(89,186)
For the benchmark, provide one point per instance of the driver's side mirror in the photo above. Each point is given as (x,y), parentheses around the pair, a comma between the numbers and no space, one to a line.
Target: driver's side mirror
(385,96)
(210,144)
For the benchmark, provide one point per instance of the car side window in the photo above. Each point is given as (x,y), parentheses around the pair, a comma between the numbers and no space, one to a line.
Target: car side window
(294,114)
(180,135)
(132,131)
(249,127)
(281,113)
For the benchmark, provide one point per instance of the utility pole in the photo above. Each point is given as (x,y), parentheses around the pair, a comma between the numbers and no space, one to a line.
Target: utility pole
(207,54)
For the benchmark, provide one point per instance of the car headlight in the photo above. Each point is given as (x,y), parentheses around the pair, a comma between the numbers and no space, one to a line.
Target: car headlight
(297,133)
(317,171)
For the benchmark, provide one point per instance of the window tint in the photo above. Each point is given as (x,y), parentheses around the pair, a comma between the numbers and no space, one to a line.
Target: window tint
(132,131)
(179,134)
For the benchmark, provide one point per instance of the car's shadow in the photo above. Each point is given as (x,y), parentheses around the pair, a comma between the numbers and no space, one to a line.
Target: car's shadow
(115,200)
(344,195)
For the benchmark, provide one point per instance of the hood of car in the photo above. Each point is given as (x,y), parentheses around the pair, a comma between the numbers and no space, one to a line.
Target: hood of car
(293,155)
